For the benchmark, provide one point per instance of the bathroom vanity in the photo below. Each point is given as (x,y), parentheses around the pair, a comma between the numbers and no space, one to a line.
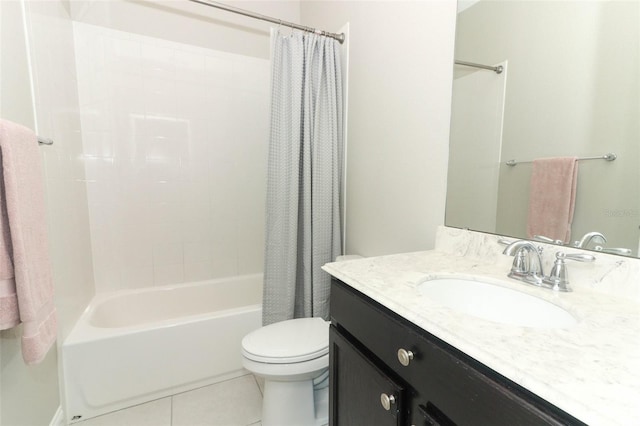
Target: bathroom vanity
(399,358)
(387,371)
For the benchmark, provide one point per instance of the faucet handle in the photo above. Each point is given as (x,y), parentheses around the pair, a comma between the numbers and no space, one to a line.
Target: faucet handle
(580,257)
(505,241)
(617,250)
(548,240)
(558,278)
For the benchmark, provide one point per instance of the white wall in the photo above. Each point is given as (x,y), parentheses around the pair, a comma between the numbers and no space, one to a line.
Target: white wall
(16,379)
(191,23)
(175,143)
(16,102)
(30,394)
(401,56)
(57,110)
(175,124)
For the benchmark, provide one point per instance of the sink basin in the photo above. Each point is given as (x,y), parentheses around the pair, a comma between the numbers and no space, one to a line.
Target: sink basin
(495,303)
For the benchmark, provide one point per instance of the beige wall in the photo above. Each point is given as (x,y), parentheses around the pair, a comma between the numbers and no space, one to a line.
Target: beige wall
(400,78)
(30,395)
(476,115)
(572,90)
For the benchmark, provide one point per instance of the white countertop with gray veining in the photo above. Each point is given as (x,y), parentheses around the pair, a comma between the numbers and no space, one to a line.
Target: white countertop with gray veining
(590,370)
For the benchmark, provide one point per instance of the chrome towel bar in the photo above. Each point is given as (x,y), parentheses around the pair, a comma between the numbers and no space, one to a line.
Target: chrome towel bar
(609,157)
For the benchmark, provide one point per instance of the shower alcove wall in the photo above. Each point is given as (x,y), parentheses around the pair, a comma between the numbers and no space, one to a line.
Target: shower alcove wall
(175,145)
(175,141)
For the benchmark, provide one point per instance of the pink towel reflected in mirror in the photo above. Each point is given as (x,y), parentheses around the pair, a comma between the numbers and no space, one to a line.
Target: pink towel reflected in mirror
(552,197)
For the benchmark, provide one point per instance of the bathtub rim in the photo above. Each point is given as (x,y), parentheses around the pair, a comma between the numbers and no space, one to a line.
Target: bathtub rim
(83,331)
(152,337)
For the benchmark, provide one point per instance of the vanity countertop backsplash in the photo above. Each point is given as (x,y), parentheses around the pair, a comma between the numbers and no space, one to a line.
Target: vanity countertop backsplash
(591,370)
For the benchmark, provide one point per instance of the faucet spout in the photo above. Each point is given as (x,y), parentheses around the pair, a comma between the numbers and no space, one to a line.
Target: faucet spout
(527,265)
(512,248)
(588,237)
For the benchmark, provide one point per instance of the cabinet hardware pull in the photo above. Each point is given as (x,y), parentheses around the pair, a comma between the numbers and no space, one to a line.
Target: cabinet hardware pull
(404,356)
(387,401)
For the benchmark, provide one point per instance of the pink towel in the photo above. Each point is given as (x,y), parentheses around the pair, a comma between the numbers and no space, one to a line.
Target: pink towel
(552,197)
(26,284)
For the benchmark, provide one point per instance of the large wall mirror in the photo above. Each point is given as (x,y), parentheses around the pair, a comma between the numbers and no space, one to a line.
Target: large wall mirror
(569,87)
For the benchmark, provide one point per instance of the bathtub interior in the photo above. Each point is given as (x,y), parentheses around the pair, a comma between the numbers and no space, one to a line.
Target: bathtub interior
(132,365)
(156,305)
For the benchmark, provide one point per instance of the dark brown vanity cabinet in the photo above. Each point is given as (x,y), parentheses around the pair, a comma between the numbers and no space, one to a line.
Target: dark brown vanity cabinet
(387,371)
(358,382)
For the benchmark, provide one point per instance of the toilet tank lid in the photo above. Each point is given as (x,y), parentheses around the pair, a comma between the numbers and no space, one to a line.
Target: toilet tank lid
(294,340)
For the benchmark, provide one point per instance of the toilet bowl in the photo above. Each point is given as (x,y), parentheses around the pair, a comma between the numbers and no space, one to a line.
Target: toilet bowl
(293,358)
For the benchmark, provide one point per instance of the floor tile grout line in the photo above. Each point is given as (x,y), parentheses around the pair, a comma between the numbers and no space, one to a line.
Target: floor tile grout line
(172,400)
(255,379)
(213,384)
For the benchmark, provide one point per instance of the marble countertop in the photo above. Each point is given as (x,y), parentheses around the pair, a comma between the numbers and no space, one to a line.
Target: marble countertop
(590,370)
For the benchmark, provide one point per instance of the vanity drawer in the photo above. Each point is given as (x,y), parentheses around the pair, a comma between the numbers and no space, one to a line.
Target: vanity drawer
(377,330)
(457,387)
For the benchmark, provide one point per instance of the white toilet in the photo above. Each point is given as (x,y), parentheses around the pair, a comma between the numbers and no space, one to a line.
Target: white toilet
(293,358)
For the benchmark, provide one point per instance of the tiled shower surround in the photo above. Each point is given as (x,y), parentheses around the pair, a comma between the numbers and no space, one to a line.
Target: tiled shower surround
(175,142)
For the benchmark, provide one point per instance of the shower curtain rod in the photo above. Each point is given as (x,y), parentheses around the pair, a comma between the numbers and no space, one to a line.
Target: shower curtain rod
(497,70)
(232,9)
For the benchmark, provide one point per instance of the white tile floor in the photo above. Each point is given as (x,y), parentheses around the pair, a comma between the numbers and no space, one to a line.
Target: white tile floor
(235,402)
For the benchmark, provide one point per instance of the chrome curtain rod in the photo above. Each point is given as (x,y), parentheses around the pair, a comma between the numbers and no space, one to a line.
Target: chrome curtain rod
(45,141)
(232,9)
(497,70)
(609,157)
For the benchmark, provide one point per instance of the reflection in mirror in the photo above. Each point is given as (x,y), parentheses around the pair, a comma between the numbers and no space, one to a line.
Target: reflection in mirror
(570,88)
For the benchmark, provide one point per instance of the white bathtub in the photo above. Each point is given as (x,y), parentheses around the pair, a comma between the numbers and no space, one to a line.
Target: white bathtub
(134,346)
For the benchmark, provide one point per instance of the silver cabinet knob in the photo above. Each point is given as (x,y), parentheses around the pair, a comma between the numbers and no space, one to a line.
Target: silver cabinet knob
(387,401)
(404,356)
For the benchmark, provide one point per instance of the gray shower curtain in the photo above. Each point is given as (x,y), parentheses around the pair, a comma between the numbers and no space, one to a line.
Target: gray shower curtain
(303,230)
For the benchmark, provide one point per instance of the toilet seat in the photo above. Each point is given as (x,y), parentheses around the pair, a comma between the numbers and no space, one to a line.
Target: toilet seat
(287,342)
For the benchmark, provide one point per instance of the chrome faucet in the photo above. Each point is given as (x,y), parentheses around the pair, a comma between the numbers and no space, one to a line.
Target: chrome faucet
(527,264)
(558,279)
(588,237)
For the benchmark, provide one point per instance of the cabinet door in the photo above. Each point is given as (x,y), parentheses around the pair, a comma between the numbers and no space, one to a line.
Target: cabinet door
(360,393)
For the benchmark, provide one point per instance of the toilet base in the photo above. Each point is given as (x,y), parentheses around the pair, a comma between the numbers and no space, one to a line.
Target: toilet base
(294,404)
(321,399)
